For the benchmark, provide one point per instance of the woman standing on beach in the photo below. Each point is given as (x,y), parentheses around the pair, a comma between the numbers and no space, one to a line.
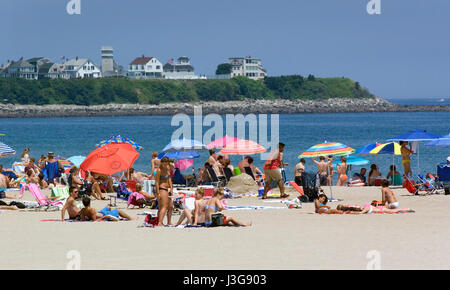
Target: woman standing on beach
(155,164)
(342,171)
(25,157)
(406,159)
(164,190)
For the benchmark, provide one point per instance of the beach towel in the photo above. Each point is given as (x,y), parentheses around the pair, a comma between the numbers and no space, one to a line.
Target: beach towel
(136,199)
(254,207)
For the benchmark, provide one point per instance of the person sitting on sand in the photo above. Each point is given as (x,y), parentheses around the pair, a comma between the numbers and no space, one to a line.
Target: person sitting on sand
(42,183)
(90,214)
(298,172)
(4,181)
(197,215)
(74,179)
(149,199)
(321,206)
(374,174)
(5,184)
(32,166)
(322,169)
(388,196)
(227,164)
(70,205)
(215,205)
(204,175)
(95,182)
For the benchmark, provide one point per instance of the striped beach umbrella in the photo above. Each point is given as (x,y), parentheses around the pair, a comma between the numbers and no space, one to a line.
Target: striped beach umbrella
(243,147)
(222,142)
(327,148)
(388,148)
(184,145)
(5,150)
(65,162)
(367,148)
(119,139)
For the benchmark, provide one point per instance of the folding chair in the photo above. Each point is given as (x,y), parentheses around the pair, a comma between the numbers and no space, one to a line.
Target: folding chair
(213,176)
(228,173)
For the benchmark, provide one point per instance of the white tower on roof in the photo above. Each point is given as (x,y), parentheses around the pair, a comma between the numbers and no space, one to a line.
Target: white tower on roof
(107,59)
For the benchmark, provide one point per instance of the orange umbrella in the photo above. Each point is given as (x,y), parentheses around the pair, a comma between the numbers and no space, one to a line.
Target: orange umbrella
(243,147)
(110,159)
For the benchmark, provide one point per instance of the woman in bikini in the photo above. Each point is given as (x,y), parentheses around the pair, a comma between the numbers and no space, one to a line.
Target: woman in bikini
(322,207)
(368,209)
(406,159)
(155,164)
(164,190)
(342,172)
(215,205)
(198,213)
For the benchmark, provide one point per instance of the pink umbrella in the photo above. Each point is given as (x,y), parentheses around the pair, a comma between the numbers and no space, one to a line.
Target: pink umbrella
(243,147)
(222,142)
(184,164)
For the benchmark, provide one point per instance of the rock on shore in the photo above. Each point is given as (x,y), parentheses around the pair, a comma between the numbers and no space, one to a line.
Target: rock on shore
(337,105)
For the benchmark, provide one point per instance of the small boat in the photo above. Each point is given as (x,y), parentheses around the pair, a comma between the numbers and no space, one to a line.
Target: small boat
(441,100)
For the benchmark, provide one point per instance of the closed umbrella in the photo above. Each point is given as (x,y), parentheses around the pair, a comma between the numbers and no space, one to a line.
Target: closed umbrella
(243,147)
(184,145)
(120,139)
(110,159)
(5,150)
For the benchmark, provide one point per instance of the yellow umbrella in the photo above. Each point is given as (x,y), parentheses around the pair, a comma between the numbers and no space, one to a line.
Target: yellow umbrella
(388,148)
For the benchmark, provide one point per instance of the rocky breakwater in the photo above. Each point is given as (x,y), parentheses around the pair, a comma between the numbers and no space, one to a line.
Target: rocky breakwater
(336,105)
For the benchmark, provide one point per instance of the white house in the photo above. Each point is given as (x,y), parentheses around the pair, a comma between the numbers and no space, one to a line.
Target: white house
(180,69)
(82,68)
(145,68)
(57,71)
(247,66)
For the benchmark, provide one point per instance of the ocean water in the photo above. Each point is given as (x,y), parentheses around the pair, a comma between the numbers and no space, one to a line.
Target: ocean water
(78,136)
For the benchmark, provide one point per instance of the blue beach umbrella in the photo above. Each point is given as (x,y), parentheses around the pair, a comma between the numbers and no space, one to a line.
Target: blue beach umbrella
(77,160)
(5,150)
(367,148)
(179,155)
(184,145)
(441,142)
(353,160)
(120,139)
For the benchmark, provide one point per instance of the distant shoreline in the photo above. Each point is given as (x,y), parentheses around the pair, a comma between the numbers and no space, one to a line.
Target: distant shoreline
(278,106)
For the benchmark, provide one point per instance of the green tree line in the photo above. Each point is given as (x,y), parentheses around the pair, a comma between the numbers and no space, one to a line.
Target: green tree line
(155,91)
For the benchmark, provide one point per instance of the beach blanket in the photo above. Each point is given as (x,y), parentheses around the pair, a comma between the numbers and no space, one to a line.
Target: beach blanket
(249,207)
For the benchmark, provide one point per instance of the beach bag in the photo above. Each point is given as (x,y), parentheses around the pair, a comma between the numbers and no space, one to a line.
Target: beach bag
(136,199)
(153,221)
(217,220)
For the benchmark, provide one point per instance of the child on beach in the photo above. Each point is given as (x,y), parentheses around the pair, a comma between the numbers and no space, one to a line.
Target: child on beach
(322,208)
(388,196)
(198,213)
(215,205)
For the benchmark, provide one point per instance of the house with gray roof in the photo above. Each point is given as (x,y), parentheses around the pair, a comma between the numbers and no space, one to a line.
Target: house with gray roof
(82,68)
(179,69)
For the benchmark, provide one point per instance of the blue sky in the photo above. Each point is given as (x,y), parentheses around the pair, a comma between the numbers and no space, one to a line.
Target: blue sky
(404,52)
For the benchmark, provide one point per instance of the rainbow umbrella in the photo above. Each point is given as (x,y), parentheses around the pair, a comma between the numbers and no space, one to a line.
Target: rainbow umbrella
(222,142)
(327,148)
(243,147)
(119,139)
(65,163)
(388,148)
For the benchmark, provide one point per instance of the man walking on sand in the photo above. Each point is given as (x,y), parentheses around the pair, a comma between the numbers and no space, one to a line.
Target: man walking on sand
(272,171)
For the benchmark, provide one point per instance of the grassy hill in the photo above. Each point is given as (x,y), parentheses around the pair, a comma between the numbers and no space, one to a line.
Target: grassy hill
(104,91)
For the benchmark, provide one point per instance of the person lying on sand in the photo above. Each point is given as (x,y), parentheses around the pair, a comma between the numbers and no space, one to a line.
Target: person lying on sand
(11,206)
(215,205)
(323,208)
(198,213)
(368,209)
(90,214)
(388,196)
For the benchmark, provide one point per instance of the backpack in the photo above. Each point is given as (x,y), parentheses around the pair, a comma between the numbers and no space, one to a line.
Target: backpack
(136,199)
(122,191)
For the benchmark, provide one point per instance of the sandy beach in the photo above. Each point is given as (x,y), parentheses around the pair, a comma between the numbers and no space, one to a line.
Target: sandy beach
(278,239)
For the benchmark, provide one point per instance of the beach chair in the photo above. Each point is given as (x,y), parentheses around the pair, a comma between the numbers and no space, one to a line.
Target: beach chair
(228,173)
(412,187)
(213,176)
(44,202)
(249,171)
(427,185)
(60,193)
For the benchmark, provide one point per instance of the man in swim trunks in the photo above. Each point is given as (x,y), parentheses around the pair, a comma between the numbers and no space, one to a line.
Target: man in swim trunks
(90,214)
(322,169)
(272,171)
(388,196)
(298,172)
(406,159)
(71,205)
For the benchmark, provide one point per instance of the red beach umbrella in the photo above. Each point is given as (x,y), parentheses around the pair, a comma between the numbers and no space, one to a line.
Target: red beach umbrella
(110,159)
(243,147)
